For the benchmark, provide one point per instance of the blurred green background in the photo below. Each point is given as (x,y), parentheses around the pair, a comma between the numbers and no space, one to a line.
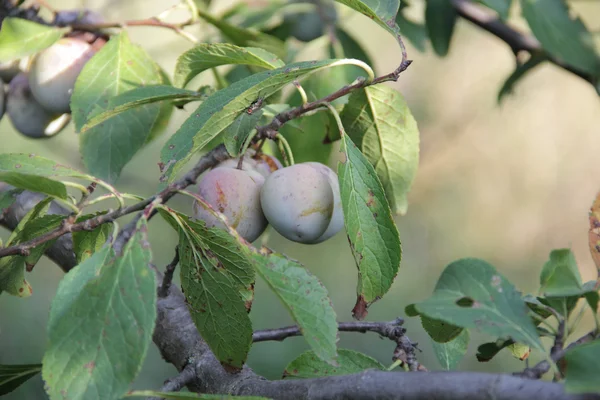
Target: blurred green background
(504,183)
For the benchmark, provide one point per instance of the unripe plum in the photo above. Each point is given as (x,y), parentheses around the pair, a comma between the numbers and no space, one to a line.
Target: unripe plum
(27,115)
(54,71)
(235,193)
(262,163)
(302,202)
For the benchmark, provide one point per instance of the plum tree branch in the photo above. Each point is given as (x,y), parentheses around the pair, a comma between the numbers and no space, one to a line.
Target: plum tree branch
(180,344)
(516,40)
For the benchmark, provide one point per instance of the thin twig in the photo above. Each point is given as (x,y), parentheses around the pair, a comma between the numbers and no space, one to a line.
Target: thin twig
(163,291)
(393,330)
(209,160)
(537,371)
(178,382)
(516,40)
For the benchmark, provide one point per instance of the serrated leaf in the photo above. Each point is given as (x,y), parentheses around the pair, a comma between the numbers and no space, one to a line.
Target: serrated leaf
(188,395)
(414,32)
(560,275)
(378,120)
(383,12)
(206,55)
(13,376)
(112,302)
(372,233)
(581,370)
(308,365)
(519,73)
(561,35)
(440,331)
(218,111)
(235,135)
(118,67)
(214,301)
(450,353)
(440,18)
(20,37)
(502,7)
(246,37)
(306,299)
(470,293)
(138,97)
(87,243)
(12,268)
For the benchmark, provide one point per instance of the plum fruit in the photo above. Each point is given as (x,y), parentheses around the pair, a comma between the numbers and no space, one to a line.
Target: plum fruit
(54,71)
(262,163)
(302,202)
(236,194)
(27,115)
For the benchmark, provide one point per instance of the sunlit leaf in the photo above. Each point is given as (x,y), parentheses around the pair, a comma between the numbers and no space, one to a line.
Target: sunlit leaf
(450,353)
(560,275)
(111,300)
(20,37)
(383,12)
(209,55)
(371,230)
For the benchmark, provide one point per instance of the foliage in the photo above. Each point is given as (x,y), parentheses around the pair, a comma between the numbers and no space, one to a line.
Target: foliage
(122,100)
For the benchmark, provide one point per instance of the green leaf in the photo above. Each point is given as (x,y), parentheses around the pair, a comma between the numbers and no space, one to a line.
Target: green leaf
(13,376)
(246,37)
(166,108)
(450,353)
(440,331)
(519,73)
(87,243)
(222,108)
(582,365)
(112,303)
(347,74)
(7,198)
(188,395)
(502,7)
(378,120)
(370,227)
(383,12)
(214,301)
(470,293)
(117,68)
(36,228)
(308,365)
(235,135)
(138,97)
(206,55)
(563,37)
(308,137)
(487,351)
(20,38)
(306,299)
(440,18)
(560,275)
(415,33)
(12,268)
(33,183)
(519,351)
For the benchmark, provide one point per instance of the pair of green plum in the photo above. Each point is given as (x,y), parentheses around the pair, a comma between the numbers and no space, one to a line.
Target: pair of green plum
(302,202)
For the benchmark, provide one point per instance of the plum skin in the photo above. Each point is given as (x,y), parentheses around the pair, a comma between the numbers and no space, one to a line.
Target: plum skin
(302,202)
(262,163)
(27,115)
(54,71)
(236,194)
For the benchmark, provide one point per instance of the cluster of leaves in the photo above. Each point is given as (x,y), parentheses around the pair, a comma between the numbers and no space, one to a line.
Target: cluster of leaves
(121,100)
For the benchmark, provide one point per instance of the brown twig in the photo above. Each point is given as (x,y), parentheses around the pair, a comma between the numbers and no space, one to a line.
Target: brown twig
(211,159)
(556,353)
(393,330)
(516,40)
(163,290)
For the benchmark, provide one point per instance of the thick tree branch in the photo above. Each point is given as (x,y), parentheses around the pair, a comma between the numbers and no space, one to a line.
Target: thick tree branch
(180,344)
(187,375)
(516,40)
